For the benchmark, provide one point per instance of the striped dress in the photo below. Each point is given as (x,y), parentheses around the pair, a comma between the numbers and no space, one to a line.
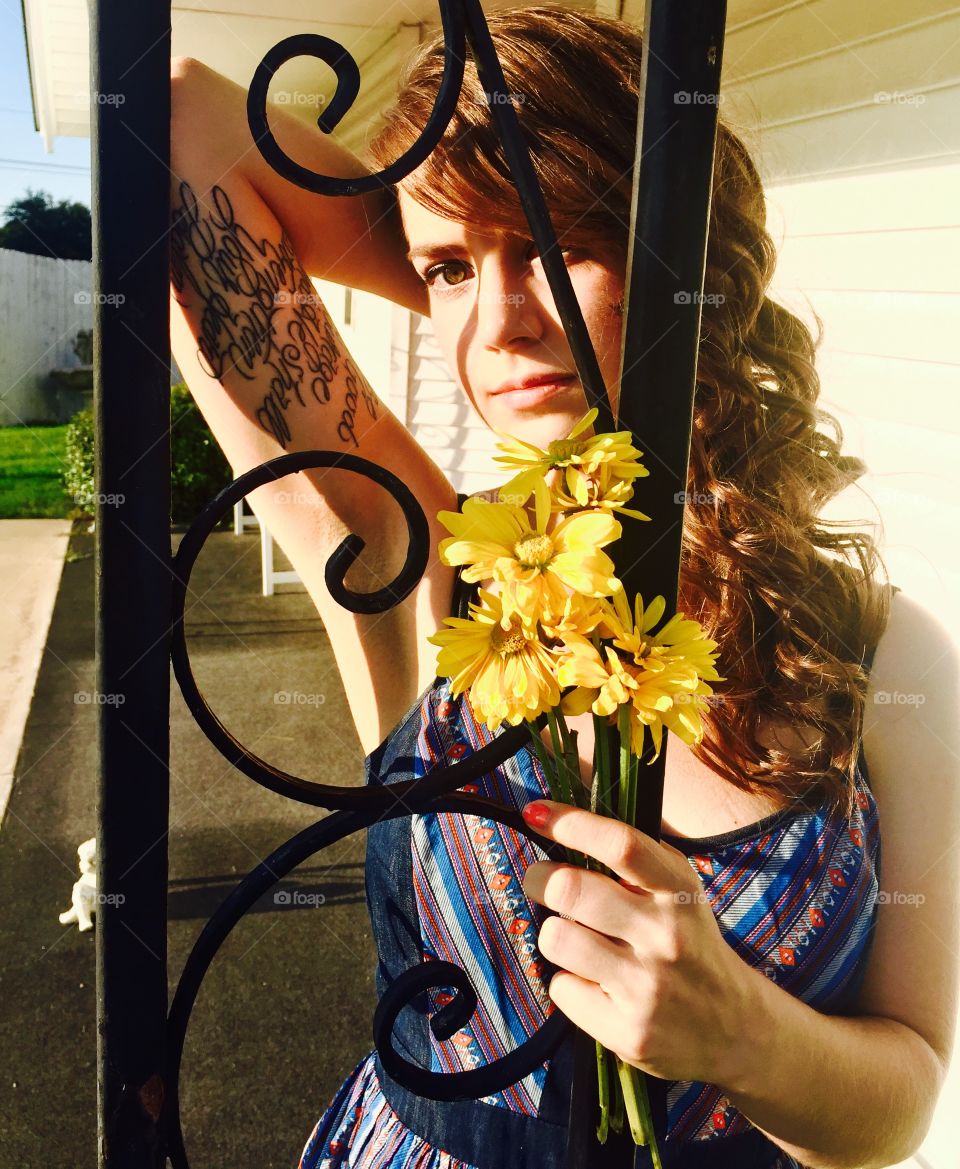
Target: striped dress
(794,894)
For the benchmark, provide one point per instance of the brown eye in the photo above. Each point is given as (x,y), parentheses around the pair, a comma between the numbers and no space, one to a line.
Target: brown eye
(444,269)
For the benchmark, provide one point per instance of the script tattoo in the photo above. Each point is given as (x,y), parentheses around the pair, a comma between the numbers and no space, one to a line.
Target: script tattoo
(260,316)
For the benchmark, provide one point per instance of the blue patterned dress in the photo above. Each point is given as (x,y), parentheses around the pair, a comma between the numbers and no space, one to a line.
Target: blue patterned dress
(794,894)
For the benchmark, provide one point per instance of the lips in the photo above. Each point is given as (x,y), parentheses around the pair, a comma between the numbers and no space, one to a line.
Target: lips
(528,383)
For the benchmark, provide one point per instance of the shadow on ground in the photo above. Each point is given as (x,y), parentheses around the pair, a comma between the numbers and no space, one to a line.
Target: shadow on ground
(285,1011)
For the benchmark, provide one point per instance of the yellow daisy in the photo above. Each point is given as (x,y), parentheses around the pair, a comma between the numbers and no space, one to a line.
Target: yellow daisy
(584,454)
(581,615)
(504,665)
(662,676)
(537,569)
(577,488)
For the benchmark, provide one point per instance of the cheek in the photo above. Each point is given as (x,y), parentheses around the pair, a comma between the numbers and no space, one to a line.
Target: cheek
(606,316)
(449,333)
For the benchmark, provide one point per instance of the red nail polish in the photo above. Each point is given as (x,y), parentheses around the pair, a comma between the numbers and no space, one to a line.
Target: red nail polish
(536,815)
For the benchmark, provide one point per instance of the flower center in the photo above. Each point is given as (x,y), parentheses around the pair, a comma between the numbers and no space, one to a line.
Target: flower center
(507,641)
(533,551)
(562,450)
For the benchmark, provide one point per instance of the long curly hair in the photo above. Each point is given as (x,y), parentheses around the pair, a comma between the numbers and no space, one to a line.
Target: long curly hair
(792,624)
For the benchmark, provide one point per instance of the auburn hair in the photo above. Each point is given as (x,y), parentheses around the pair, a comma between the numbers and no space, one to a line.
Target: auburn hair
(791,599)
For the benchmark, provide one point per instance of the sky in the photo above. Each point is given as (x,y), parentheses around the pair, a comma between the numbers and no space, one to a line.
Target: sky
(24,161)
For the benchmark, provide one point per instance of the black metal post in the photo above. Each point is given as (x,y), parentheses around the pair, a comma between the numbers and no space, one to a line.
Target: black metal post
(666,262)
(669,218)
(130,116)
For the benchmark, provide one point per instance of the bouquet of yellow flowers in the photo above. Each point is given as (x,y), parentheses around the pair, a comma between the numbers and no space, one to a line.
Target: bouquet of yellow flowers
(556,634)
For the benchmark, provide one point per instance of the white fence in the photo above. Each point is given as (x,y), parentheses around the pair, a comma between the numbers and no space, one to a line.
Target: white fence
(44,303)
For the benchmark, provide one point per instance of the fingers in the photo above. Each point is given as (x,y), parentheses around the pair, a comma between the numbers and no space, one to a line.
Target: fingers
(630,853)
(591,898)
(606,962)
(588,1005)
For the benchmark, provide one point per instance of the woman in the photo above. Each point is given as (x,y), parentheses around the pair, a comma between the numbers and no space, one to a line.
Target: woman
(750,957)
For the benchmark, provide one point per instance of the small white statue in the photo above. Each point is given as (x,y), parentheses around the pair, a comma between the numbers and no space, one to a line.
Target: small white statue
(83,900)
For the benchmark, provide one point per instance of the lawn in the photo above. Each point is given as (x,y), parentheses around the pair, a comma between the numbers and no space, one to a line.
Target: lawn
(31,463)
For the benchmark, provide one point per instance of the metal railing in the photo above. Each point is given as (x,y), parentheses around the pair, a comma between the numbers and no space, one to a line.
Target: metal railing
(141,588)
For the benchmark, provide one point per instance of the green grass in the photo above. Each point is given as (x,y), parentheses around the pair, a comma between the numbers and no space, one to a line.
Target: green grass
(31,465)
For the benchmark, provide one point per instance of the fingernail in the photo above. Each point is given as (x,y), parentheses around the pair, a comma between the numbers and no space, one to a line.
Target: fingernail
(536,814)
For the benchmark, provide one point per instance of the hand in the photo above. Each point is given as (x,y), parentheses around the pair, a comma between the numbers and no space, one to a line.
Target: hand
(645,968)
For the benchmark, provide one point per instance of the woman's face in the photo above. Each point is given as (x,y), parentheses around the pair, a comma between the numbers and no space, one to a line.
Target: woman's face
(497,325)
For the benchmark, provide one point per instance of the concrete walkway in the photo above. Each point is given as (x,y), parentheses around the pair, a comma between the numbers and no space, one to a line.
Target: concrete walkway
(31,561)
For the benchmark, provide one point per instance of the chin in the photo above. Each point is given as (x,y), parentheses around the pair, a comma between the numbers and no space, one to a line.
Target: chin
(536,421)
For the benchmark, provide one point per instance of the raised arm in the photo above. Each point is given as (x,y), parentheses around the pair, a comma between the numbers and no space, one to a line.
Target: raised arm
(271,374)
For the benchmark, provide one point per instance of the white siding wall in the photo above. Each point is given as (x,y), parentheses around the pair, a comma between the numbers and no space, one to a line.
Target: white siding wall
(851,112)
(444,421)
(877,256)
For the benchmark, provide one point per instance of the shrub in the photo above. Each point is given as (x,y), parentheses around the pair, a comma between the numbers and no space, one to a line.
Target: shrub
(78,480)
(199,469)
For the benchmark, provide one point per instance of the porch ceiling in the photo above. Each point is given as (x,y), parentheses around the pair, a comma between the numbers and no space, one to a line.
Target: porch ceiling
(825,87)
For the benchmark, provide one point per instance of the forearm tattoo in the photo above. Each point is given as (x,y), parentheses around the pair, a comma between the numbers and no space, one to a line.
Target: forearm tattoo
(261,316)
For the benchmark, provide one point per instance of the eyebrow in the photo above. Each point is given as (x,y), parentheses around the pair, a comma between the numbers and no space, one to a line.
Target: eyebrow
(425,251)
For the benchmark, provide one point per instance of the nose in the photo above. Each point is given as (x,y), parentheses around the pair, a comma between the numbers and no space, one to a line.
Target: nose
(507,311)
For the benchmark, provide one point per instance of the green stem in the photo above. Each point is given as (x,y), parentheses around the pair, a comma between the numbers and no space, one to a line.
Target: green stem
(623,726)
(601,749)
(617,1115)
(561,762)
(603,1079)
(551,767)
(548,769)
(571,755)
(637,1104)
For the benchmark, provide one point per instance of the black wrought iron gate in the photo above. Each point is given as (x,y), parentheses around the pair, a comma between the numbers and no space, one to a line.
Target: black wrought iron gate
(141,587)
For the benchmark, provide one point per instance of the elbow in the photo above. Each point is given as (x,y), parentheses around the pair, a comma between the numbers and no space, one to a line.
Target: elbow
(927,1072)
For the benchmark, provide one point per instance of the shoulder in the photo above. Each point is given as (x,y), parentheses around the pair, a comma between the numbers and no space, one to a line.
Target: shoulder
(911,742)
(911,723)
(915,677)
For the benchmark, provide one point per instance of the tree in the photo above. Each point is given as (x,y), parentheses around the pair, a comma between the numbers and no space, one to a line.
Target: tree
(35,224)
